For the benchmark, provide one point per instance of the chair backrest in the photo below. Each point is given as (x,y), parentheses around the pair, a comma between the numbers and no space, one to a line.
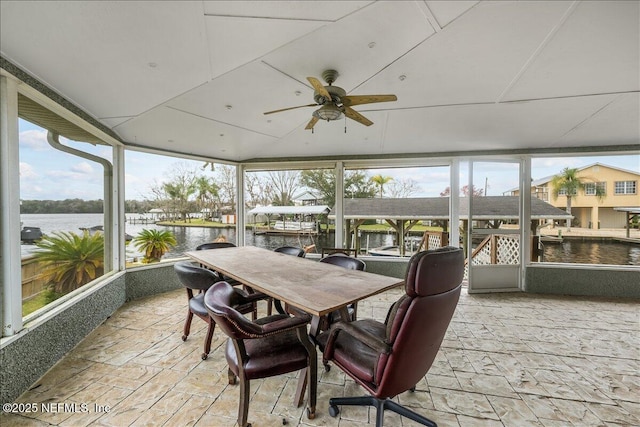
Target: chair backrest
(194,277)
(215,245)
(418,321)
(291,250)
(220,301)
(345,261)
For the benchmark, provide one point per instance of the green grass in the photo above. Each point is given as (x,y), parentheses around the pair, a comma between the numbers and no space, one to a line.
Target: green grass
(39,301)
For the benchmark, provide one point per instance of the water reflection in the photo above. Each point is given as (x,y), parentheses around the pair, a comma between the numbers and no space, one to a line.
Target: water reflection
(590,252)
(570,251)
(189,238)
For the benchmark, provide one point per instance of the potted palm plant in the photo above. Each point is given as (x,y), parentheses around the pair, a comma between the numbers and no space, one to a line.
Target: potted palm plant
(154,244)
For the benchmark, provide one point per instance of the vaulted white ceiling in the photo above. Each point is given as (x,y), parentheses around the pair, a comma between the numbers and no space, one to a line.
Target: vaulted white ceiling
(195,77)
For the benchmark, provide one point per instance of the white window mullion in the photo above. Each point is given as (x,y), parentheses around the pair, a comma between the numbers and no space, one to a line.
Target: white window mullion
(10,254)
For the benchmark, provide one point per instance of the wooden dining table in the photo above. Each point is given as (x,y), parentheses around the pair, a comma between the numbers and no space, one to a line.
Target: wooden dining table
(313,287)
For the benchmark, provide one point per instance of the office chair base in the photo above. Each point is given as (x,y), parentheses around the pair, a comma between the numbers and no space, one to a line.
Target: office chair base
(380,405)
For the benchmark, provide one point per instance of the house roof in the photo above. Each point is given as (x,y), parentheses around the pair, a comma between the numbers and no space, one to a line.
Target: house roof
(282,210)
(485,208)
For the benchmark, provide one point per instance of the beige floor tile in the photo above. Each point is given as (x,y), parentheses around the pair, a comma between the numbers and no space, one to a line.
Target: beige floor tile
(507,360)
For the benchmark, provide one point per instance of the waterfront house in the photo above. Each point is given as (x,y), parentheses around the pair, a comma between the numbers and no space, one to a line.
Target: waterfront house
(475,81)
(617,188)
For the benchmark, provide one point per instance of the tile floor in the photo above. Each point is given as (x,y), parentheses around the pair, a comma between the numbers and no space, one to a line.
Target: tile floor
(508,360)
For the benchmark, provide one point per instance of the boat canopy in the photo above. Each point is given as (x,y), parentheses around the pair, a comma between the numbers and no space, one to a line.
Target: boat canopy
(295,210)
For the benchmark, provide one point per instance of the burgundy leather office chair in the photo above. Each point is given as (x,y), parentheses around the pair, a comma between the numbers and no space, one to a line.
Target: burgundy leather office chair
(270,346)
(392,357)
(199,279)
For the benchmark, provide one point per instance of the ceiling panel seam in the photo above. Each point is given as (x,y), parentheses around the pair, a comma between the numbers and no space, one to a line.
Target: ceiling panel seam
(572,7)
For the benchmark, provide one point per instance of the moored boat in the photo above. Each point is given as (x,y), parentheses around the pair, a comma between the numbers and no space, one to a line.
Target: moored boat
(30,235)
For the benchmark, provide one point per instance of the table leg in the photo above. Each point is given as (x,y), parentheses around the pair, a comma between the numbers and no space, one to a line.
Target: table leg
(308,375)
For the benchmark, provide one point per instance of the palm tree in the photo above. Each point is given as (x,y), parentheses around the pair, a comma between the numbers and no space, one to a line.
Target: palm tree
(568,183)
(207,192)
(71,260)
(154,244)
(380,181)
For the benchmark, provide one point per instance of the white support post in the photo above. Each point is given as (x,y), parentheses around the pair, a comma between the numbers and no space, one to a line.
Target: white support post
(339,237)
(525,218)
(10,255)
(240,206)
(119,223)
(454,204)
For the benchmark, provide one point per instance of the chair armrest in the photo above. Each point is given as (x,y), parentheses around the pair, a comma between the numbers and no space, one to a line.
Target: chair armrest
(286,324)
(250,296)
(361,335)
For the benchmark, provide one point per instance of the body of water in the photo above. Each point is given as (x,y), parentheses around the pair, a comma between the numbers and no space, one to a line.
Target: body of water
(570,251)
(187,237)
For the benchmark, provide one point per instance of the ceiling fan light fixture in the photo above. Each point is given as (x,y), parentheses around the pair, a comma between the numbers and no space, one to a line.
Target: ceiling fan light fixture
(328,112)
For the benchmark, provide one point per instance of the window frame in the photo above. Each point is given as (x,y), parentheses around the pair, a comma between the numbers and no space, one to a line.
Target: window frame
(626,186)
(591,188)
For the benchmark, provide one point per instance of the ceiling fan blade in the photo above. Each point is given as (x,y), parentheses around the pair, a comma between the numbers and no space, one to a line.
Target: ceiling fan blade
(351,100)
(291,108)
(354,115)
(319,88)
(311,123)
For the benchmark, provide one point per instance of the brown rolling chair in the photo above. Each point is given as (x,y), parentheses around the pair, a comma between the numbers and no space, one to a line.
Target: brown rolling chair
(349,263)
(199,279)
(287,250)
(291,250)
(389,358)
(218,245)
(234,282)
(270,346)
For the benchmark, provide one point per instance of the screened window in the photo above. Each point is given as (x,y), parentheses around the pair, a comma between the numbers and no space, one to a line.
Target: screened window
(625,187)
(595,188)
(290,208)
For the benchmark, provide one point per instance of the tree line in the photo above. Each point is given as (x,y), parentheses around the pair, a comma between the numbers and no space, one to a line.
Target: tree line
(75,206)
(188,189)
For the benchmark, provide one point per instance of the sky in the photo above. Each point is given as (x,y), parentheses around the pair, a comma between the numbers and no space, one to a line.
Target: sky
(48,174)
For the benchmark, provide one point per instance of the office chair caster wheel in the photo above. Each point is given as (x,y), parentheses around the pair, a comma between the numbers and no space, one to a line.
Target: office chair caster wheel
(327,368)
(184,338)
(204,356)
(311,414)
(334,410)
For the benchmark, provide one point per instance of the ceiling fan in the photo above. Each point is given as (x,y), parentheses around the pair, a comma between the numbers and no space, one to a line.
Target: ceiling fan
(334,101)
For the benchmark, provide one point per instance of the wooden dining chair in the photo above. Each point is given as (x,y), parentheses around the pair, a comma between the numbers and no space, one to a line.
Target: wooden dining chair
(273,345)
(291,250)
(197,280)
